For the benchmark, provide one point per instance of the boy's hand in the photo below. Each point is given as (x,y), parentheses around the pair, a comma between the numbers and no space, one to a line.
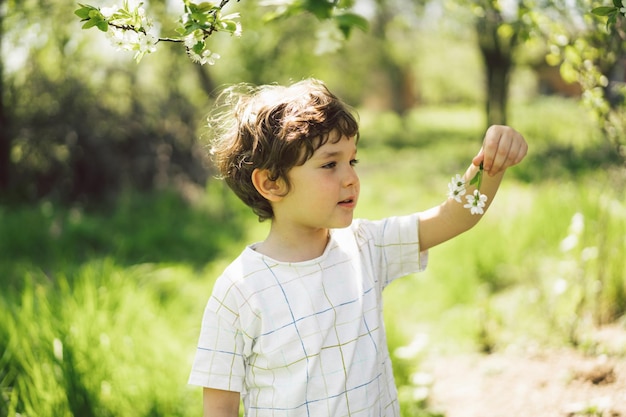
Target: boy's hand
(502,148)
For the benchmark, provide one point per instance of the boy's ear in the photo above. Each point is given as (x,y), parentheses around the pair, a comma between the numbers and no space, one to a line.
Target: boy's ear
(271,190)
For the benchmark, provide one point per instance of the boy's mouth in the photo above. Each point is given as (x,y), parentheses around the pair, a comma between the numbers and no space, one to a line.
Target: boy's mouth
(348,201)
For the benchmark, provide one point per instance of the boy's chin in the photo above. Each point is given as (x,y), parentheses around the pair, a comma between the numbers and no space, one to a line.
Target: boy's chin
(343,224)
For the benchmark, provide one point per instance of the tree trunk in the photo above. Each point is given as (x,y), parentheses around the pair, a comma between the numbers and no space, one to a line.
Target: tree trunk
(206,81)
(498,69)
(497,53)
(5,139)
(399,76)
(5,143)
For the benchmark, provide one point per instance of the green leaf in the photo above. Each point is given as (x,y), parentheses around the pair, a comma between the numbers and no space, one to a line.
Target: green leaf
(290,10)
(228,25)
(347,21)
(611,20)
(90,23)
(617,3)
(103,25)
(206,7)
(478,177)
(192,27)
(322,9)
(198,48)
(603,11)
(122,14)
(83,13)
(202,17)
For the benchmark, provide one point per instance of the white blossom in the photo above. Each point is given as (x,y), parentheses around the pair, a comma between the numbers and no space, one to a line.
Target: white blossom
(476,202)
(192,39)
(207,57)
(129,40)
(238,31)
(456,188)
(107,12)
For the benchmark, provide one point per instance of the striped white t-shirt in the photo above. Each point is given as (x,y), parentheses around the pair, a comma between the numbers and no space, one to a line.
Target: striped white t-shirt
(307,338)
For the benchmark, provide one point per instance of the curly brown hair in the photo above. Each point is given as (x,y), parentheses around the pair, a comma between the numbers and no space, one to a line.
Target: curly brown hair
(275,128)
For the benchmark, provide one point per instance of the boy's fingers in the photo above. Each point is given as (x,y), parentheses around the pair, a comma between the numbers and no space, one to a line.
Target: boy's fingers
(517,151)
(522,151)
(502,147)
(479,158)
(490,149)
(500,157)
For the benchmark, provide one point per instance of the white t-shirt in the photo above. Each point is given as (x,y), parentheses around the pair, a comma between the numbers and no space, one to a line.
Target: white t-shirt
(307,338)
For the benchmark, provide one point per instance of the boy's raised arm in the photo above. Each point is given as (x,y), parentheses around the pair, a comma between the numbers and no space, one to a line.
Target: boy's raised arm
(502,148)
(219,403)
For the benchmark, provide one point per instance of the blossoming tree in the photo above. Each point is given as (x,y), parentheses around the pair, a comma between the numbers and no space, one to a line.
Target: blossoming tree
(129,27)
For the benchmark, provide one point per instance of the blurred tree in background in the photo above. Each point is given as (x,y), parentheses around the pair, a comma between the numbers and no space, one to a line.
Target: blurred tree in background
(81,122)
(501,27)
(5,141)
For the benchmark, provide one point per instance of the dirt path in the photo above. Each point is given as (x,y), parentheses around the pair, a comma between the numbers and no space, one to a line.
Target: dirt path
(546,384)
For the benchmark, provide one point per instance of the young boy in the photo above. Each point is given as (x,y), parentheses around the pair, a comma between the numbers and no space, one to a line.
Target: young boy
(294,326)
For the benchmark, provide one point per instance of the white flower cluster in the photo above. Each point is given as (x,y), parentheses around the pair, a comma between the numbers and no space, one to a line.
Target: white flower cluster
(129,28)
(205,56)
(129,40)
(475,202)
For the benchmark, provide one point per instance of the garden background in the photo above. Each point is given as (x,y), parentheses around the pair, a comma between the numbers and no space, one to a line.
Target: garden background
(113,227)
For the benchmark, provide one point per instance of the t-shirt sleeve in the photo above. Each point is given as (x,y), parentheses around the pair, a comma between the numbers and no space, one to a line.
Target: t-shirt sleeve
(219,361)
(394,246)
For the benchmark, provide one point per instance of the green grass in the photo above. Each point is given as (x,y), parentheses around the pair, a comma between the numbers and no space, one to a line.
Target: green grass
(100,307)
(101,342)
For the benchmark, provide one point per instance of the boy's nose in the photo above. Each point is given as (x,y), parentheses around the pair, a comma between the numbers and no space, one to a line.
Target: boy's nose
(351,178)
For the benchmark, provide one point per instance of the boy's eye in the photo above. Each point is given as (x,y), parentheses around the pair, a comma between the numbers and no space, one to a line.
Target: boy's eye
(333,164)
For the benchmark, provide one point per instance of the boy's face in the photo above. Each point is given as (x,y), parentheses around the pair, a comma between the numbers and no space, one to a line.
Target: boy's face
(324,190)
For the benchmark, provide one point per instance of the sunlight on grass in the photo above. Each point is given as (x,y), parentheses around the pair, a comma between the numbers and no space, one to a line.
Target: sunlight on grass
(101,336)
(100,309)
(504,272)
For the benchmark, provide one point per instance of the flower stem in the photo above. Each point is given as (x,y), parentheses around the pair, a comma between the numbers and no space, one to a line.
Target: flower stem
(478,178)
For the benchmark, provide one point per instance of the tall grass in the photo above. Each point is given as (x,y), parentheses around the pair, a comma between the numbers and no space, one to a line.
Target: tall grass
(100,308)
(481,288)
(99,343)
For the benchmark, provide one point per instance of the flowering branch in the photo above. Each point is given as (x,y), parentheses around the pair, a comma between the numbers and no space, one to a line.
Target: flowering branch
(129,28)
(475,202)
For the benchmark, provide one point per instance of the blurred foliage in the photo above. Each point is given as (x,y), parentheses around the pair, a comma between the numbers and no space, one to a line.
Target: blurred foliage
(100,308)
(591,52)
(112,229)
(81,122)
(82,127)
(136,229)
